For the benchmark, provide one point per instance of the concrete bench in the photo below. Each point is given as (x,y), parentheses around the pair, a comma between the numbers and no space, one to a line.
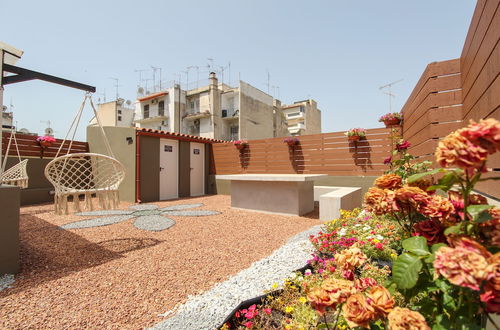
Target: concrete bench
(332,199)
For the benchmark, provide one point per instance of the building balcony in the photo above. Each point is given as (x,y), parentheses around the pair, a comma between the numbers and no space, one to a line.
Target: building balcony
(230,115)
(197,115)
(151,119)
(295,116)
(296,128)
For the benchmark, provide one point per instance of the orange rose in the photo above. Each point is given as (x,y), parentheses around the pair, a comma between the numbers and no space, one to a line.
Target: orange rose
(320,300)
(339,290)
(351,258)
(389,181)
(468,244)
(412,196)
(380,201)
(358,312)
(406,319)
(491,228)
(457,150)
(438,208)
(461,266)
(486,133)
(380,298)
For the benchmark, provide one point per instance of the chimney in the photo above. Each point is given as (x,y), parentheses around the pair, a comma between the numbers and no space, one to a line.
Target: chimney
(213,79)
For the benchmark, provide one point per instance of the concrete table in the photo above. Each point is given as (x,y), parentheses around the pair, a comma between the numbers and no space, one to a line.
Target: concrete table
(290,194)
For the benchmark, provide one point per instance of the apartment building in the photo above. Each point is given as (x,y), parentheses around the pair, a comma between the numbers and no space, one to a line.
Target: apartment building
(7,119)
(115,113)
(220,111)
(216,111)
(303,117)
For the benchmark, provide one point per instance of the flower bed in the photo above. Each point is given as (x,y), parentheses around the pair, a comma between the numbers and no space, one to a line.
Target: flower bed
(444,247)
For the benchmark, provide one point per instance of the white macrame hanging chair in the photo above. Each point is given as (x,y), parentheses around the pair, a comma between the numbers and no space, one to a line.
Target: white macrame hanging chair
(85,175)
(16,175)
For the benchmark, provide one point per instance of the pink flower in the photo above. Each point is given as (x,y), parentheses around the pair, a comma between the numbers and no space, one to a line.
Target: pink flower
(388,160)
(348,275)
(379,246)
(248,324)
(267,310)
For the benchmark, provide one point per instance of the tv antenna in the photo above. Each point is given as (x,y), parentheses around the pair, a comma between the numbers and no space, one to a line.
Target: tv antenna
(389,92)
(197,73)
(140,71)
(154,77)
(210,66)
(116,85)
(268,81)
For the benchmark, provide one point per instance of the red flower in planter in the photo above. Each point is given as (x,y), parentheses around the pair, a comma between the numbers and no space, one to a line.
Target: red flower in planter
(402,146)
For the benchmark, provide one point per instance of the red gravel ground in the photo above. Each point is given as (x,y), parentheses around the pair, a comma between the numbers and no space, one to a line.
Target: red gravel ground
(120,277)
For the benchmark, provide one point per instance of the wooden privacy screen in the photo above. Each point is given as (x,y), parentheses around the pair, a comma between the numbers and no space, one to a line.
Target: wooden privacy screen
(29,147)
(480,68)
(434,108)
(328,153)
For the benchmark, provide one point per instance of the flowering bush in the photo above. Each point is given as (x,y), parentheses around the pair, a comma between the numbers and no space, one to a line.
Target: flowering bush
(377,237)
(361,132)
(391,116)
(46,138)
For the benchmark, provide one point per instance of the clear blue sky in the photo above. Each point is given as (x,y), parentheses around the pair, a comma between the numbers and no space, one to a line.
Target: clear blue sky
(336,52)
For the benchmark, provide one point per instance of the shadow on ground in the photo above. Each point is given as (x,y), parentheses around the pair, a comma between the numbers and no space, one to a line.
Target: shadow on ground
(48,252)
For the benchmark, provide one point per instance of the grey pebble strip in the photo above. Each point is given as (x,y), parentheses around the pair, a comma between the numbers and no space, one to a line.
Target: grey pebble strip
(191,213)
(153,223)
(208,310)
(6,281)
(97,222)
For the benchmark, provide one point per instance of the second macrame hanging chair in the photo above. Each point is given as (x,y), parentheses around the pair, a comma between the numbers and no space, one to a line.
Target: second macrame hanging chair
(16,175)
(85,176)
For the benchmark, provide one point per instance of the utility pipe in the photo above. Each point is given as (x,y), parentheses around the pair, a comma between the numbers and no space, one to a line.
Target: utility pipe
(137,168)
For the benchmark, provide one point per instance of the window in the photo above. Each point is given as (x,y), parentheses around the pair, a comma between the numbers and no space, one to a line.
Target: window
(146,111)
(119,112)
(293,114)
(119,118)
(302,108)
(191,105)
(161,108)
(234,130)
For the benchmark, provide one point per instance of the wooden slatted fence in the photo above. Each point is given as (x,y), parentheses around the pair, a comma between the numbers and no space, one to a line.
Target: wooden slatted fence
(328,153)
(29,147)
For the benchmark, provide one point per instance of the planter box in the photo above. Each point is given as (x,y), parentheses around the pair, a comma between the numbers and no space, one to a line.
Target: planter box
(257,300)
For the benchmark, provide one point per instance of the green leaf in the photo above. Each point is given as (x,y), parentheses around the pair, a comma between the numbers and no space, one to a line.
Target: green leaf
(326,325)
(416,245)
(476,210)
(452,230)
(449,302)
(441,323)
(483,217)
(405,270)
(418,176)
(438,186)
(434,248)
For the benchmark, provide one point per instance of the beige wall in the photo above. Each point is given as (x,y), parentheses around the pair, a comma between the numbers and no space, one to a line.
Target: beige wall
(256,113)
(107,114)
(123,151)
(313,118)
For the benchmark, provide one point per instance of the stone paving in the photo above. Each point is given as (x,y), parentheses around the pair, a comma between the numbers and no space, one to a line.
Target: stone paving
(148,217)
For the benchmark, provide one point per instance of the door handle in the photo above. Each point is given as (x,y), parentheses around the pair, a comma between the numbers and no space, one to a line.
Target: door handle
(161,168)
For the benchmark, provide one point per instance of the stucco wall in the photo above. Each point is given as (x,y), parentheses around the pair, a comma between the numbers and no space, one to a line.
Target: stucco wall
(313,118)
(123,151)
(256,113)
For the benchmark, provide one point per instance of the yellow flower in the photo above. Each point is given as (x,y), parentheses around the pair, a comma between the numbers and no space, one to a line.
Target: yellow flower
(288,309)
(376,241)
(275,285)
(293,287)
(303,300)
(288,326)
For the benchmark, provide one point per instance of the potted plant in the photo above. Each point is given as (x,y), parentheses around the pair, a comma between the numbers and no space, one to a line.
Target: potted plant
(391,119)
(355,134)
(45,141)
(291,141)
(240,144)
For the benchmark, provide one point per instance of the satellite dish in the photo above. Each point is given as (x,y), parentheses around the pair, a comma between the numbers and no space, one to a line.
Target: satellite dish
(24,131)
(49,131)
(128,102)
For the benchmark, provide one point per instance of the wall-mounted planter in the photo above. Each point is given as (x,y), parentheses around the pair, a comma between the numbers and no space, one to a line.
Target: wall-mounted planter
(354,138)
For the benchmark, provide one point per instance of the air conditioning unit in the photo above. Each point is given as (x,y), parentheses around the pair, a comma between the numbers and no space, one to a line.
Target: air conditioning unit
(224,113)
(196,122)
(154,101)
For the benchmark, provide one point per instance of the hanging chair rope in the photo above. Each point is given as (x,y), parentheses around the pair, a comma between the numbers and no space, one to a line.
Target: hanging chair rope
(85,174)
(17,175)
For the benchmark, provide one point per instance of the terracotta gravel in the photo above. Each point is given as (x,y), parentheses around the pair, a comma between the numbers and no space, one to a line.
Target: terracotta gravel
(120,277)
